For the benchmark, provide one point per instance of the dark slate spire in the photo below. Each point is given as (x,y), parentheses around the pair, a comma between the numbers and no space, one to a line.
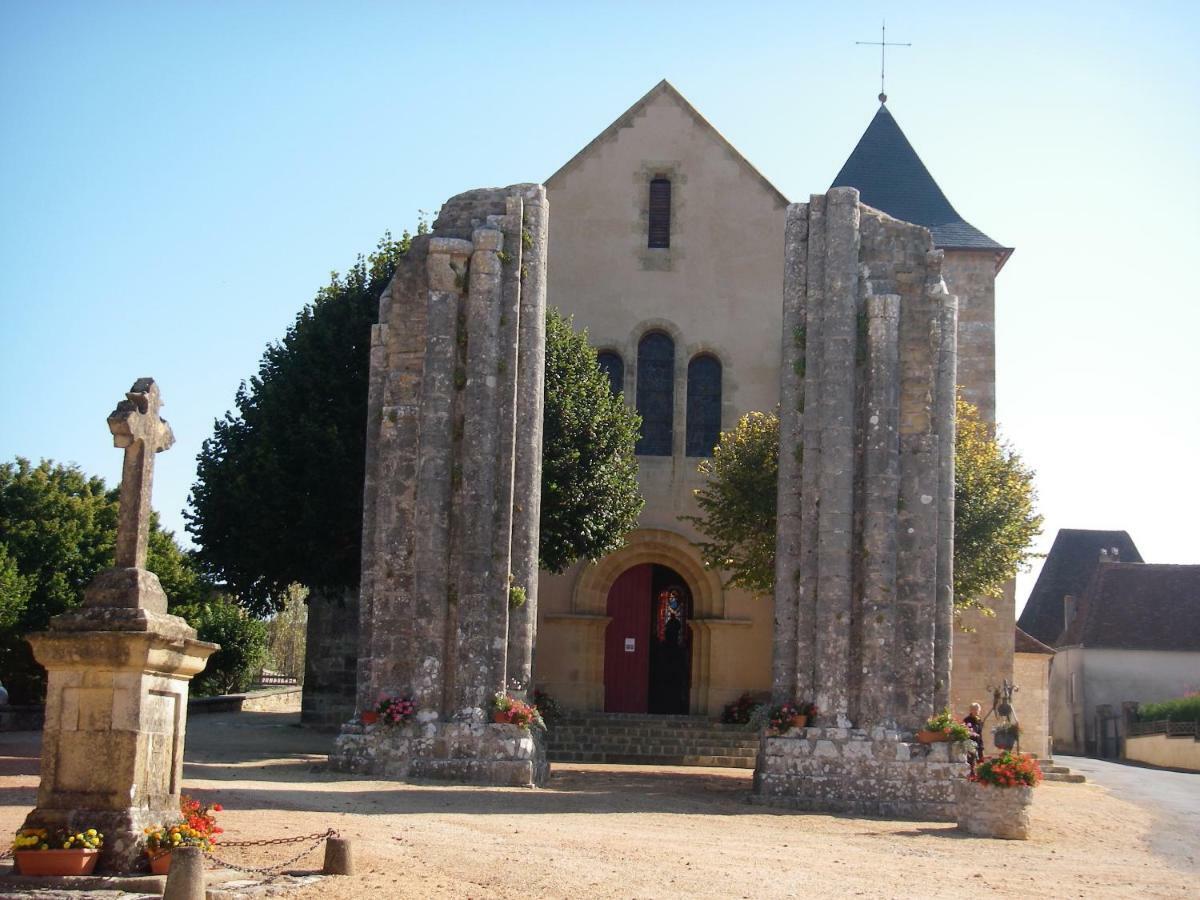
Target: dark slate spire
(891,177)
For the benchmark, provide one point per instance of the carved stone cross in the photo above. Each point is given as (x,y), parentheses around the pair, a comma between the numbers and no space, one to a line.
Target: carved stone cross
(142,432)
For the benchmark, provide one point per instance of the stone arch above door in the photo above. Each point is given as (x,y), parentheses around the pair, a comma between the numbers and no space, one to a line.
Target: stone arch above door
(650,545)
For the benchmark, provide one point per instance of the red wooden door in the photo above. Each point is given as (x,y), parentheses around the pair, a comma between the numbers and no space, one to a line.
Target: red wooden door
(627,642)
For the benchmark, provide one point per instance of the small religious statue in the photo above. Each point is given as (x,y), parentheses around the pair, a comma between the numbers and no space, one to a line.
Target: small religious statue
(672,617)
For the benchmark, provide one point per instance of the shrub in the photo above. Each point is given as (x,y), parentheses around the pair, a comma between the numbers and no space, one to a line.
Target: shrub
(741,710)
(243,641)
(1181,709)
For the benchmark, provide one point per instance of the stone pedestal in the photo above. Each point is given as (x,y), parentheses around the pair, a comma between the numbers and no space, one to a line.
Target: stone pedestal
(116,713)
(861,773)
(996,812)
(459,752)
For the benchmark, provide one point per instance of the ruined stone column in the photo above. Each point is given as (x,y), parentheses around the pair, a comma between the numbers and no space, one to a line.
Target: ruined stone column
(445,519)
(527,489)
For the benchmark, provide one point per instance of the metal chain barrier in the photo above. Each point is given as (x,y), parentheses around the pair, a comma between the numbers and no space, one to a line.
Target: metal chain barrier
(276,869)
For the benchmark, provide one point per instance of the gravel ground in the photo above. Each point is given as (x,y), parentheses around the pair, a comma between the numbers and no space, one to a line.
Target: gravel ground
(626,831)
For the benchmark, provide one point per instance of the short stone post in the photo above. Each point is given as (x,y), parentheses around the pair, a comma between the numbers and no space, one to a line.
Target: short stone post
(117,675)
(339,857)
(185,880)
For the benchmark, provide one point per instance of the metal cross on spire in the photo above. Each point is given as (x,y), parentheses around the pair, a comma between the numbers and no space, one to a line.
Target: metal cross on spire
(882,44)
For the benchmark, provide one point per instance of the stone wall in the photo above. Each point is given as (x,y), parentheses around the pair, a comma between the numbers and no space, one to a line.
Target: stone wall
(1031,674)
(453,471)
(330,661)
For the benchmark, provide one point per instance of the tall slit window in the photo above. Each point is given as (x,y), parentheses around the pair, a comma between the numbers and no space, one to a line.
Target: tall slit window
(656,394)
(612,366)
(703,405)
(660,213)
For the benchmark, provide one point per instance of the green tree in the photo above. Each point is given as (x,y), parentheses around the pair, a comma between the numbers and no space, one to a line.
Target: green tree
(590,497)
(57,530)
(243,641)
(994,518)
(278,493)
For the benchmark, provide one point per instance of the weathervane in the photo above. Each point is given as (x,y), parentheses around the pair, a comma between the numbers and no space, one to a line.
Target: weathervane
(882,44)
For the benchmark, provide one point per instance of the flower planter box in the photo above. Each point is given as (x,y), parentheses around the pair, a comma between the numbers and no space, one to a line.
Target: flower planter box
(799,721)
(57,862)
(160,863)
(932,737)
(985,810)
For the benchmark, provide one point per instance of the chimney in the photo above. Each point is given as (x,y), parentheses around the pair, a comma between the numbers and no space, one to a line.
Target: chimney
(1070,607)
(1103,555)
(1114,554)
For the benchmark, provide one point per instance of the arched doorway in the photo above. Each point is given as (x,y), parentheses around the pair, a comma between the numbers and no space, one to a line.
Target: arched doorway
(648,642)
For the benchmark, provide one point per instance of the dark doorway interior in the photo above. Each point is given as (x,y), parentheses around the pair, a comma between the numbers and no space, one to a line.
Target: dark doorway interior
(670,643)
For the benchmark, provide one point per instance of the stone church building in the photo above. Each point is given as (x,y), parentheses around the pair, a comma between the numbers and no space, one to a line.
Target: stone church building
(666,244)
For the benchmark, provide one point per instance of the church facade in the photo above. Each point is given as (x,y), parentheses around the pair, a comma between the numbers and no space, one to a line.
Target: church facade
(667,245)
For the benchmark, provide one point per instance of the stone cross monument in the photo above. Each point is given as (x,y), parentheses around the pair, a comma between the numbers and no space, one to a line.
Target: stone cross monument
(865,539)
(118,671)
(452,495)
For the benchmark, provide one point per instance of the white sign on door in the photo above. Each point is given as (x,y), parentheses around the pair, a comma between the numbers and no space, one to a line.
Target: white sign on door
(629,645)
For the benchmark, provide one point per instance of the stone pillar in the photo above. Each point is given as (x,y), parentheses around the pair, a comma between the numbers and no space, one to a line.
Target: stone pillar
(117,677)
(865,544)
(455,419)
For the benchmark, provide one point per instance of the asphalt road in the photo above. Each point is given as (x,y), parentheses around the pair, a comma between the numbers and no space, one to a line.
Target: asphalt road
(1172,797)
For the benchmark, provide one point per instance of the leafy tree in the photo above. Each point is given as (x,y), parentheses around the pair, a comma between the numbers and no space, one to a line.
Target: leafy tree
(590,497)
(57,530)
(278,493)
(994,518)
(287,632)
(243,641)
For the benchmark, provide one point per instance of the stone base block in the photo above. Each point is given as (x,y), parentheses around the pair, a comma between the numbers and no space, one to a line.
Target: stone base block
(996,812)
(455,752)
(862,773)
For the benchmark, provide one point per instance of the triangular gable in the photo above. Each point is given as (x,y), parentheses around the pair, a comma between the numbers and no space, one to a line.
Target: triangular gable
(627,119)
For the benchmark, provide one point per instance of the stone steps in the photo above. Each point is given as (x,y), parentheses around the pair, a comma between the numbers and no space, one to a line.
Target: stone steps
(653,740)
(1053,772)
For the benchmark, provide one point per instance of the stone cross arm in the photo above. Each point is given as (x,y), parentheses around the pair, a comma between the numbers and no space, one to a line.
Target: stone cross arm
(138,428)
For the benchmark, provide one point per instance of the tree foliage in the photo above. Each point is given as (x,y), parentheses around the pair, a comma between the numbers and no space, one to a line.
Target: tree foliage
(57,530)
(278,493)
(994,518)
(243,641)
(590,497)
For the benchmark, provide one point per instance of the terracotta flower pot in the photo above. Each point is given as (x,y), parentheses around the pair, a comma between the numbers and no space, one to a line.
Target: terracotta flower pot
(799,721)
(370,717)
(160,863)
(932,737)
(500,718)
(57,862)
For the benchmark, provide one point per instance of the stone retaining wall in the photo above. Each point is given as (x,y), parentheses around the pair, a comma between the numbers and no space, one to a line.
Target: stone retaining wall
(985,810)
(860,772)
(1170,752)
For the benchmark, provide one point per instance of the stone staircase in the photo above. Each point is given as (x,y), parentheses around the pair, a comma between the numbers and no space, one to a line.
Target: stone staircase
(651,740)
(1053,772)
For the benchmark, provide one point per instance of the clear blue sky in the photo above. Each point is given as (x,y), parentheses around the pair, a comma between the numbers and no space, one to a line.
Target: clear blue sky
(177,179)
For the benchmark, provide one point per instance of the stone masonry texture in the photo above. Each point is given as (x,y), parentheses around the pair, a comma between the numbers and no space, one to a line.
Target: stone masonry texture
(450,500)
(864,604)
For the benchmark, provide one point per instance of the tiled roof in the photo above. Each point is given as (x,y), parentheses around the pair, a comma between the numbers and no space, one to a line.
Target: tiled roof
(891,177)
(1139,606)
(1067,570)
(1024,643)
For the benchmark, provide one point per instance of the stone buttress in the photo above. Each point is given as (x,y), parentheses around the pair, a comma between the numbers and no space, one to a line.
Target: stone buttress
(452,495)
(863,596)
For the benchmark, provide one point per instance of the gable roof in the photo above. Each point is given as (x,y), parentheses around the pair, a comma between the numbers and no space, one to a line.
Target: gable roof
(1024,643)
(891,177)
(627,119)
(1068,568)
(1138,606)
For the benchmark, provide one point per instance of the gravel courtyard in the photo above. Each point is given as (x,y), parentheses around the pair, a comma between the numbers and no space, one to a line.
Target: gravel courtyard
(617,831)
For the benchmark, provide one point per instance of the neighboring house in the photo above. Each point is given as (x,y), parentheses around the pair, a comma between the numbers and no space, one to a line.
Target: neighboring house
(1031,674)
(667,245)
(1131,636)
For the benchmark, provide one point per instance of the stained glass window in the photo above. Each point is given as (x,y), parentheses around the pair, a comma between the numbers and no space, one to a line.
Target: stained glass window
(660,213)
(656,393)
(703,405)
(613,366)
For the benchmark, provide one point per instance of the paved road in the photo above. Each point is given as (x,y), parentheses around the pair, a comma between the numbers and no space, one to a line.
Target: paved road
(1172,797)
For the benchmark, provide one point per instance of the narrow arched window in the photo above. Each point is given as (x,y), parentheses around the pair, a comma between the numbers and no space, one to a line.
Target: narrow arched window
(660,213)
(703,405)
(656,393)
(613,366)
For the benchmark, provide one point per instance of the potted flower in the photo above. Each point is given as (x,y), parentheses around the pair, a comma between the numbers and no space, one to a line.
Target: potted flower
(994,801)
(508,710)
(943,727)
(741,710)
(199,828)
(39,851)
(784,716)
(1006,735)
(395,710)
